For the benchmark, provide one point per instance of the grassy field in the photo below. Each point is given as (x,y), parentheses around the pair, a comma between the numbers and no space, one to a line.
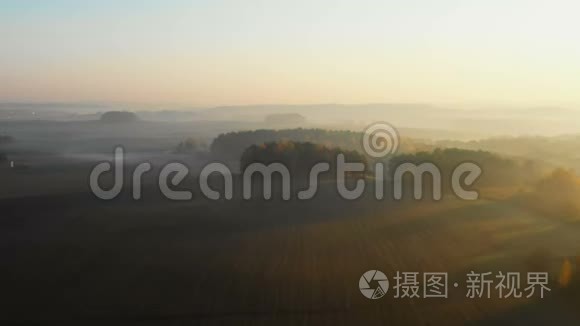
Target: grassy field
(74,259)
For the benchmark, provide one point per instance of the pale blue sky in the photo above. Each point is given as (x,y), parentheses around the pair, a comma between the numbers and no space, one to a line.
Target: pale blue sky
(246,52)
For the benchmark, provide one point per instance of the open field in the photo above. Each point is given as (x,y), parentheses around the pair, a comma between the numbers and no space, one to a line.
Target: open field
(71,258)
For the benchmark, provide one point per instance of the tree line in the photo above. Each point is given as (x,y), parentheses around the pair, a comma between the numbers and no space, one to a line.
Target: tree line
(298,157)
(497,170)
(230,146)
(5,139)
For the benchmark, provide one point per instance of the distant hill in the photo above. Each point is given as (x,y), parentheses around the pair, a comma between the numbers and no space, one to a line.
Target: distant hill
(119,117)
(285,118)
(479,123)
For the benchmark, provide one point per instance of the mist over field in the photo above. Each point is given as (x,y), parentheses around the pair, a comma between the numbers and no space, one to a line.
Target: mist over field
(453,122)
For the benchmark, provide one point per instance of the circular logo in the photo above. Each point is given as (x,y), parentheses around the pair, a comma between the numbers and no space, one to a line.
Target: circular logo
(380,139)
(373,284)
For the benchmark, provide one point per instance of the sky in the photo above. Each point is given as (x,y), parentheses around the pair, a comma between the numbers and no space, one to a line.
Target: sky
(207,53)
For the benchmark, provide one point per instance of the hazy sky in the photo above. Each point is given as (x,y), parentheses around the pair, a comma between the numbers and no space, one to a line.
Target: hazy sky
(301,51)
